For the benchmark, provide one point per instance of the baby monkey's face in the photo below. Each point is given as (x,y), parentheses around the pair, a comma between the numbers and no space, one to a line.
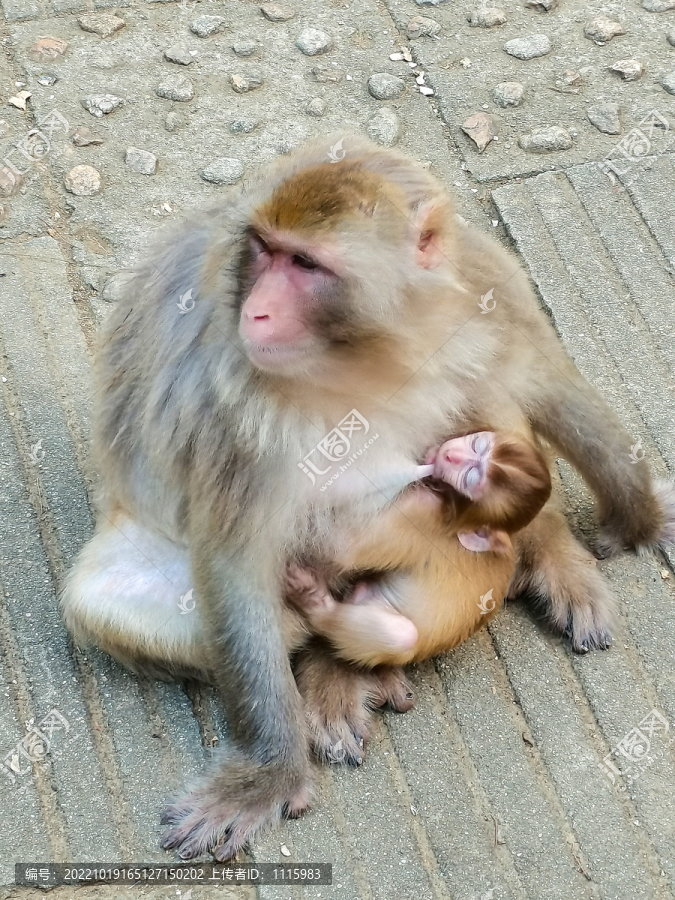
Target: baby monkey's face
(464,462)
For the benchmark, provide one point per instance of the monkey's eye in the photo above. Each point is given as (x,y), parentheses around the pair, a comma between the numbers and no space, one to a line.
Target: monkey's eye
(258,245)
(304,262)
(480,444)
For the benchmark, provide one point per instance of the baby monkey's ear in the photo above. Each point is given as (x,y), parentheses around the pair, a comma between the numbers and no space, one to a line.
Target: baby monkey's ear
(486,539)
(428,227)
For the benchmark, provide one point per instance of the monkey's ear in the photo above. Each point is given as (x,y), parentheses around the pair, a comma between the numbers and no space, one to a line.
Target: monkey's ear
(430,250)
(485,539)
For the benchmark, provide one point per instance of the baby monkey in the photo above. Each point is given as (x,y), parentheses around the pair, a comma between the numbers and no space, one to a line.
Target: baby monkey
(478,489)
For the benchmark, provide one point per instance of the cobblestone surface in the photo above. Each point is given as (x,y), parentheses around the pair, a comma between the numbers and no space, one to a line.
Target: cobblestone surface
(493,787)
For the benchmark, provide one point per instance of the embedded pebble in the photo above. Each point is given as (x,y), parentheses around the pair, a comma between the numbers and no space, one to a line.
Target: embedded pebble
(203,26)
(486,17)
(102,104)
(179,54)
(48,49)
(47,80)
(325,75)
(277,12)
(384,127)
(141,161)
(103,24)
(312,41)
(384,86)
(420,26)
(628,69)
(508,93)
(669,83)
(10,181)
(173,121)
(601,29)
(542,5)
(429,2)
(223,171)
(245,47)
(568,83)
(115,287)
(316,107)
(529,47)
(671,38)
(658,5)
(244,126)
(242,84)
(175,87)
(605,117)
(481,128)
(83,181)
(545,138)
(85,137)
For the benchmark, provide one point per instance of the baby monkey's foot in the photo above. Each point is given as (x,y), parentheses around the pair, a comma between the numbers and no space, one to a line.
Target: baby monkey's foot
(463,462)
(306,589)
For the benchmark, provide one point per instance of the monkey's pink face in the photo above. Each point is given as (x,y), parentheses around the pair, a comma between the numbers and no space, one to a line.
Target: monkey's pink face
(463,462)
(290,289)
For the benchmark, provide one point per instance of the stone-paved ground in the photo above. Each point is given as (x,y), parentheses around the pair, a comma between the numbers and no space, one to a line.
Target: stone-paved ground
(493,787)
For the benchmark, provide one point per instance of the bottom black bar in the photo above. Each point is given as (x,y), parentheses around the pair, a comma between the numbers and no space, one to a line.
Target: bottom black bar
(52,874)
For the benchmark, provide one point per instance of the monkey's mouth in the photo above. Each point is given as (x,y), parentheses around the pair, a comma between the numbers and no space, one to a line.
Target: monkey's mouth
(275,356)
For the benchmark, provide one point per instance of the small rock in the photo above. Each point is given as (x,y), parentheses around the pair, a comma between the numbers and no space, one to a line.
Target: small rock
(204,26)
(10,181)
(115,287)
(568,83)
(658,5)
(529,47)
(245,47)
(20,100)
(316,107)
(141,161)
(85,137)
(312,41)
(628,69)
(385,127)
(605,117)
(173,121)
(669,83)
(326,75)
(244,126)
(102,104)
(48,48)
(420,26)
(223,171)
(601,29)
(242,84)
(481,128)
(486,17)
(384,86)
(671,38)
(277,12)
(179,54)
(545,138)
(175,87)
(429,2)
(508,93)
(542,5)
(83,181)
(47,80)
(102,24)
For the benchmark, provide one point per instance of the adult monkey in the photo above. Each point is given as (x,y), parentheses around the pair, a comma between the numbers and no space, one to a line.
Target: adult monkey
(325,288)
